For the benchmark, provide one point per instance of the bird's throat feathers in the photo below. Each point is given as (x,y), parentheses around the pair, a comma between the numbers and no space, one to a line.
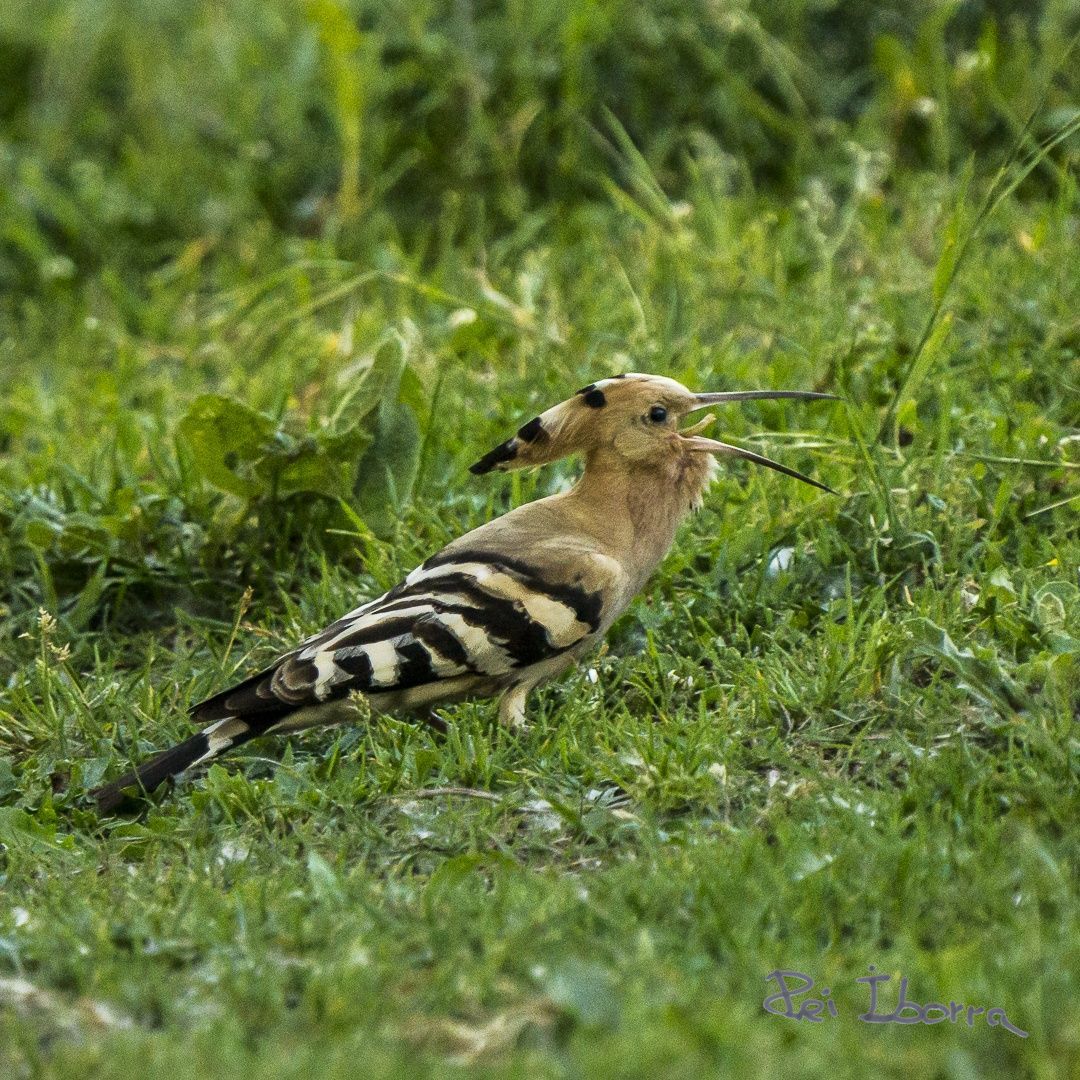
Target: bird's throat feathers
(694,472)
(638,508)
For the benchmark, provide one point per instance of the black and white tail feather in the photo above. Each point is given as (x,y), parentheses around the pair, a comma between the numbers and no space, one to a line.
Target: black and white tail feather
(458,624)
(508,605)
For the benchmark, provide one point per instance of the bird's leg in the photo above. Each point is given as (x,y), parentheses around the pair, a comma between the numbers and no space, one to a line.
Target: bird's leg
(512,707)
(434,720)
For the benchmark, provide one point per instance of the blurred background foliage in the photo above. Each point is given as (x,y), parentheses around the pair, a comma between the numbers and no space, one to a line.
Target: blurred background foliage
(258,260)
(128,127)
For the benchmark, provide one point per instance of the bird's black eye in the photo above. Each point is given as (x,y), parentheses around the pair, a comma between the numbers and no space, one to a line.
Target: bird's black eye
(658,414)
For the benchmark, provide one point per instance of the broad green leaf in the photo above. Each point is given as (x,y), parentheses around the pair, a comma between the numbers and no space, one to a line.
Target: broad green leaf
(388,469)
(8,781)
(982,676)
(225,439)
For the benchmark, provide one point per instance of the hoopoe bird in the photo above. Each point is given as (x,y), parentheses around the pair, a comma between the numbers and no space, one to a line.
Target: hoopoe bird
(508,605)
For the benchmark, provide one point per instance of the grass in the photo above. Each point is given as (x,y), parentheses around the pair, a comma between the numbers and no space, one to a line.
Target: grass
(834,732)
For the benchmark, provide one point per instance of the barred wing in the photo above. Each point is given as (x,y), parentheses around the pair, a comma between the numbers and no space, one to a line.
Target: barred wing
(461,614)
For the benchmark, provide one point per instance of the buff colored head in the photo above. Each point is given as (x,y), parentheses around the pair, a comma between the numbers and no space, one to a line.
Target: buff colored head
(635,417)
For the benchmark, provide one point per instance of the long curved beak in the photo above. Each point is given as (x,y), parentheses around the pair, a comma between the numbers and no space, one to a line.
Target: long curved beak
(704,400)
(713,446)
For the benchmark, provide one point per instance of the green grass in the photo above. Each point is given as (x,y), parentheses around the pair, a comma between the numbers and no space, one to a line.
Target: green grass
(239,393)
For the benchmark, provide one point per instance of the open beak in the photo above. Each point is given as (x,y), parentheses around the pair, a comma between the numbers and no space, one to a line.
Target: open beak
(712,446)
(689,438)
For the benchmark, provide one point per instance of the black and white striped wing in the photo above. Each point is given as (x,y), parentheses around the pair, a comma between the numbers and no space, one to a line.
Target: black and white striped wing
(466,614)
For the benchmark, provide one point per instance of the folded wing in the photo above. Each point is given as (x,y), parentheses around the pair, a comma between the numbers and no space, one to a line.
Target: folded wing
(465,614)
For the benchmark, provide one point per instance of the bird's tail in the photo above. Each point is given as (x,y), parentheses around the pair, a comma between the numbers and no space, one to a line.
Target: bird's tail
(205,746)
